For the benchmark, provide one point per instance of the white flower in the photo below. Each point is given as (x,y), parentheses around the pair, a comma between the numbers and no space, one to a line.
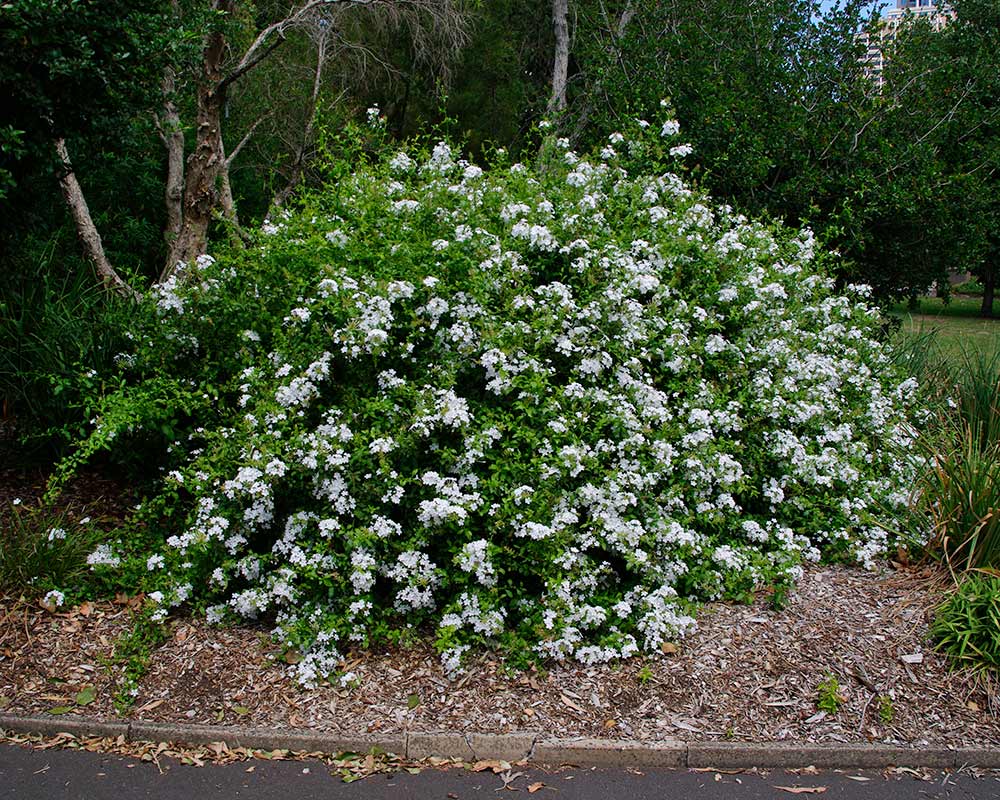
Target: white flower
(382,445)
(103,556)
(55,599)
(401,162)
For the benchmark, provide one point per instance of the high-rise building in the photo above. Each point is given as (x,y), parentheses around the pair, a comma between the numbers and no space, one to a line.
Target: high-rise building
(937,12)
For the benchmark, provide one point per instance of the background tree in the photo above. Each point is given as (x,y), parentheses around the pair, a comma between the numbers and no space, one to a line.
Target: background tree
(945,86)
(73,74)
(785,122)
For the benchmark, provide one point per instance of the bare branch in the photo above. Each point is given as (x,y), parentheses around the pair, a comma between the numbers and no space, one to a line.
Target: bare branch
(87,232)
(246,138)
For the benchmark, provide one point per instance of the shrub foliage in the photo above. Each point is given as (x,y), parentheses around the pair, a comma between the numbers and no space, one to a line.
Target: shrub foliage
(540,407)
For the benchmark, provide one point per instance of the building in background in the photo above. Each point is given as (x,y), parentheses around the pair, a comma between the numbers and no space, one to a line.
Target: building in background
(937,12)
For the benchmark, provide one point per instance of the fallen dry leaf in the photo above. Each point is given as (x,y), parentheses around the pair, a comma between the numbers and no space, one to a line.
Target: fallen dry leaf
(490,764)
(802,789)
(570,703)
(534,787)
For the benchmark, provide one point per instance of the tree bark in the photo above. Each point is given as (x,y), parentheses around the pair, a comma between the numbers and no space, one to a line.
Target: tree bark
(201,189)
(90,239)
(226,197)
(560,65)
(172,134)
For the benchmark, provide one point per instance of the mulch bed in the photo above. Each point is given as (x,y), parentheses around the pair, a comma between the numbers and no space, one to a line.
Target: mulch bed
(749,673)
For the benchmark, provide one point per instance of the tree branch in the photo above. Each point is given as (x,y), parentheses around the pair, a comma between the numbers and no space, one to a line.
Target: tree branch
(246,138)
(87,232)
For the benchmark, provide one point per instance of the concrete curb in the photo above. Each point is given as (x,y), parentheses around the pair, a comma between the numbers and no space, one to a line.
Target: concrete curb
(533,748)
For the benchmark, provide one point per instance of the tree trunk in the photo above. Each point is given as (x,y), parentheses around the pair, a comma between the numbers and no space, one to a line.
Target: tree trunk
(560,66)
(989,289)
(226,192)
(87,232)
(204,165)
(172,134)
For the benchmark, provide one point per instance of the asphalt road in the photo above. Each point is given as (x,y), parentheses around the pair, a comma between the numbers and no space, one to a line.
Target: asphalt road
(28,774)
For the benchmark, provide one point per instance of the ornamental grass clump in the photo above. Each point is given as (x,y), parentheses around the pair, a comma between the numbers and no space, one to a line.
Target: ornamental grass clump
(544,409)
(958,491)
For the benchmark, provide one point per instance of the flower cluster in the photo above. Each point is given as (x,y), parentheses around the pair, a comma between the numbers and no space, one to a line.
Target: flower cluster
(544,408)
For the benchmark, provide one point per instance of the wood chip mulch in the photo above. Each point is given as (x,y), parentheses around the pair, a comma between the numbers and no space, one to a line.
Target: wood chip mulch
(749,673)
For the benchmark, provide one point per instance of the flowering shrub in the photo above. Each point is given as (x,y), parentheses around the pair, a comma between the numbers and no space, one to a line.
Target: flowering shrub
(546,408)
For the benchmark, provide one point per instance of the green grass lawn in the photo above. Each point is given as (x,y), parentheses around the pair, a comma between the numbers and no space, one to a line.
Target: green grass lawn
(956,327)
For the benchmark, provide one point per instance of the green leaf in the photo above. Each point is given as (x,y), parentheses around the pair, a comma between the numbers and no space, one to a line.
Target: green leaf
(241,710)
(412,701)
(60,710)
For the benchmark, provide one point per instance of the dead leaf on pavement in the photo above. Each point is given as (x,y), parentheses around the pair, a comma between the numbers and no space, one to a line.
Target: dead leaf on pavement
(534,787)
(490,764)
(802,789)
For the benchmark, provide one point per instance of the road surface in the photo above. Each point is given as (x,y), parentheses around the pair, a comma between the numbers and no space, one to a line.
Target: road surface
(32,774)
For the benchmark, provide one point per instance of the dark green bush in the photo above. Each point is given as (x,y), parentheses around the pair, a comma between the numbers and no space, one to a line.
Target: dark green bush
(59,334)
